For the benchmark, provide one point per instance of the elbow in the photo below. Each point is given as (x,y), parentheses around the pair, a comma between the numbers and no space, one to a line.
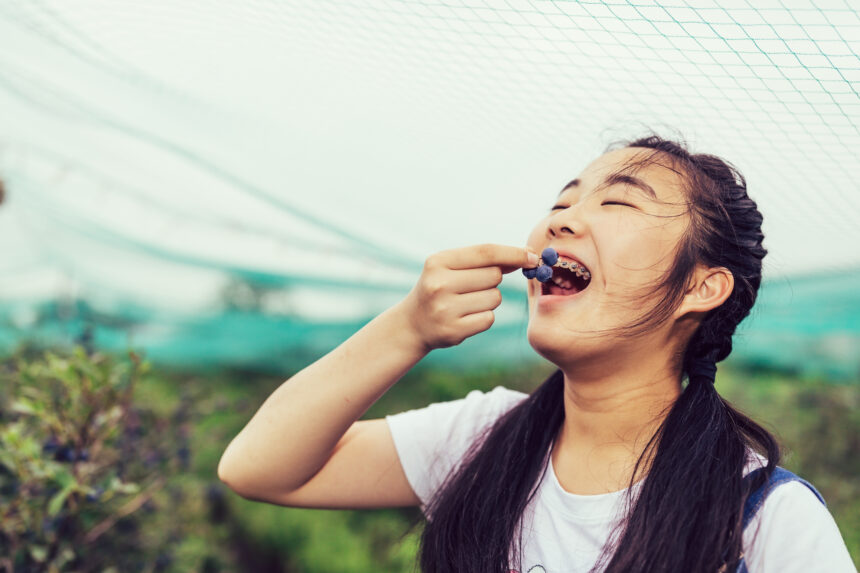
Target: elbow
(229,476)
(224,472)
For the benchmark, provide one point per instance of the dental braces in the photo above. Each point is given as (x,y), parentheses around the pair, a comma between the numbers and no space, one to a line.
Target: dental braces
(548,259)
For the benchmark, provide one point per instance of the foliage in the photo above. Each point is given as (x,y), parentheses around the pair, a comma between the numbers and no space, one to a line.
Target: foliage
(818,425)
(89,480)
(164,510)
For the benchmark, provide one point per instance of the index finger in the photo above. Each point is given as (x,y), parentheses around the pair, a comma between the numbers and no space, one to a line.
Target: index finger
(507,257)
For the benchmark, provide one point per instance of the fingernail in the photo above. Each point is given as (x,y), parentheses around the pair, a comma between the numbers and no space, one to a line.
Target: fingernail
(533,259)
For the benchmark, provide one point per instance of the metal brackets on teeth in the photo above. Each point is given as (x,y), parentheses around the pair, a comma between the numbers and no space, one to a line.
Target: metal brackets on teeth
(543,272)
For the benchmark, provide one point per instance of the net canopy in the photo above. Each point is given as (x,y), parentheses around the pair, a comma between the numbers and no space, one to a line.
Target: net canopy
(249,182)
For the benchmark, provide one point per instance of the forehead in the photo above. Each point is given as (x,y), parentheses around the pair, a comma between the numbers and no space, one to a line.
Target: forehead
(654,168)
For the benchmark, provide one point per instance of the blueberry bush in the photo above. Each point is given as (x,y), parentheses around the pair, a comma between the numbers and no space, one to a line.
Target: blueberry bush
(92,481)
(109,465)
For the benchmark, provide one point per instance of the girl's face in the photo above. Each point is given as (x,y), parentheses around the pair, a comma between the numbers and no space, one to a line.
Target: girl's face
(623,222)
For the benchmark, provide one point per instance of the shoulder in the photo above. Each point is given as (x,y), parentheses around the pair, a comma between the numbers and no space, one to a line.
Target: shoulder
(794,531)
(432,440)
(465,416)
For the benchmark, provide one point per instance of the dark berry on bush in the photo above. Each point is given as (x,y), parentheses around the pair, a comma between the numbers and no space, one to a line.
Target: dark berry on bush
(50,525)
(96,494)
(217,503)
(127,525)
(184,454)
(162,562)
(9,488)
(65,454)
(84,455)
(50,445)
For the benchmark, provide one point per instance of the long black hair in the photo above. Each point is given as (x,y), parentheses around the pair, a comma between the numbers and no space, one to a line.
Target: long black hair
(698,452)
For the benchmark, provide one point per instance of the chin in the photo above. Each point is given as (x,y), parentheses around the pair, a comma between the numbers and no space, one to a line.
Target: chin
(548,343)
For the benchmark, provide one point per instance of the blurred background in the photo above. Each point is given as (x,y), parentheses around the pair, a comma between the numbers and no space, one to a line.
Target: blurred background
(201,198)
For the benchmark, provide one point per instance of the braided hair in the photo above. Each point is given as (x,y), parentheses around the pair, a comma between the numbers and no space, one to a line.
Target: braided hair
(708,490)
(698,453)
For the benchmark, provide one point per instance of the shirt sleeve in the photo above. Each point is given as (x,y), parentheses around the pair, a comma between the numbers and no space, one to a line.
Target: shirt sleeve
(793,533)
(431,441)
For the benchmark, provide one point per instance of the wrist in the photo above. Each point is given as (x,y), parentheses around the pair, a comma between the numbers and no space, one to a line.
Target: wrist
(404,333)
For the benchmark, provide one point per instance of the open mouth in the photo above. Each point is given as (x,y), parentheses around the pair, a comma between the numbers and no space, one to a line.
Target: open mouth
(568,278)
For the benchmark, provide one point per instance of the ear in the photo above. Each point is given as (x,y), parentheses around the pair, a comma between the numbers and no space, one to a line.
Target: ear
(708,289)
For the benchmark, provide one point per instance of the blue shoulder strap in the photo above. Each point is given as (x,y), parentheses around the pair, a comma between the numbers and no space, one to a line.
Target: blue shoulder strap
(756,498)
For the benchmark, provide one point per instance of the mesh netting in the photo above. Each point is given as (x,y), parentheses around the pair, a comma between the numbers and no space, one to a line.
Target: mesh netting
(250,181)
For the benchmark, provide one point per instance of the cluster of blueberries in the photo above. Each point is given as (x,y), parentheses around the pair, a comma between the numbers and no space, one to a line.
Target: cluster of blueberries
(543,273)
(64,453)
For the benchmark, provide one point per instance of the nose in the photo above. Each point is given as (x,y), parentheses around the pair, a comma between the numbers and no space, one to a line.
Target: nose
(563,222)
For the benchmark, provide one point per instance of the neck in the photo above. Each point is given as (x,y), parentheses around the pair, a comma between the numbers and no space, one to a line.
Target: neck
(609,419)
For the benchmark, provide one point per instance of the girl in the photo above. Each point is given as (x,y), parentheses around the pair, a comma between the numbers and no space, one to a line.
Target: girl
(613,463)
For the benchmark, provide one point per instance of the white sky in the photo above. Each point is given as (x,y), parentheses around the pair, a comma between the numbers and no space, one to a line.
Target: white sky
(195,131)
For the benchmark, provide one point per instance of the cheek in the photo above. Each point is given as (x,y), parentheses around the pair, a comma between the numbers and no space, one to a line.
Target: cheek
(537,237)
(644,254)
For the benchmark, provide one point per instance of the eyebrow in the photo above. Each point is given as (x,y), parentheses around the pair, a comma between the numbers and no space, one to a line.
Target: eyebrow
(619,179)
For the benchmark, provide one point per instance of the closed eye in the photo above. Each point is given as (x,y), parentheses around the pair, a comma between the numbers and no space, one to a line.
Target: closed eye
(558,207)
(617,203)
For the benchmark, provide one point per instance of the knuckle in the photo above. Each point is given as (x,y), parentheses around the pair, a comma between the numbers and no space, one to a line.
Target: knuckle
(432,262)
(485,249)
(496,297)
(438,310)
(489,319)
(433,287)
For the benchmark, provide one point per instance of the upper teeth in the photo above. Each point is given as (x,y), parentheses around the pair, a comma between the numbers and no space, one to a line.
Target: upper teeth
(575,267)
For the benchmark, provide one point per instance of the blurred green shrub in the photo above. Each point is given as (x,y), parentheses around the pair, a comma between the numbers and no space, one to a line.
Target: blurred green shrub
(108,465)
(89,480)
(817,422)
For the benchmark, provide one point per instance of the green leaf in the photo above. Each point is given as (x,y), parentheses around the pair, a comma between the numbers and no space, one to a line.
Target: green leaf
(125,487)
(39,553)
(65,478)
(59,499)
(25,406)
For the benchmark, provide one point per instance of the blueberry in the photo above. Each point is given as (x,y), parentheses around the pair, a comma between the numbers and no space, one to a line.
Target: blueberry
(162,562)
(96,494)
(83,455)
(530,273)
(65,454)
(9,489)
(549,256)
(218,509)
(184,454)
(49,525)
(544,273)
(50,445)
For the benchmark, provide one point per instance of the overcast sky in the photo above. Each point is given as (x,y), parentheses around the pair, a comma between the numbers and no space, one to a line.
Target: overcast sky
(148,145)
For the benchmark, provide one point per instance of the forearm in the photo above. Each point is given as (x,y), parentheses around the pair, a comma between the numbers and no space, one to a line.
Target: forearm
(295,430)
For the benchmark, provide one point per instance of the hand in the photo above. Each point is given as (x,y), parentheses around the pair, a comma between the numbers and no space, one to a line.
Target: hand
(455,296)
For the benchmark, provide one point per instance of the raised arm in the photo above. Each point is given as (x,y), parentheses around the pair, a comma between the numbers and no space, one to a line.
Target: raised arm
(304,446)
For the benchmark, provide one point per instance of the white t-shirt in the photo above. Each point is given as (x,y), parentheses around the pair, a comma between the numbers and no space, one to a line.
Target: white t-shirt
(565,532)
